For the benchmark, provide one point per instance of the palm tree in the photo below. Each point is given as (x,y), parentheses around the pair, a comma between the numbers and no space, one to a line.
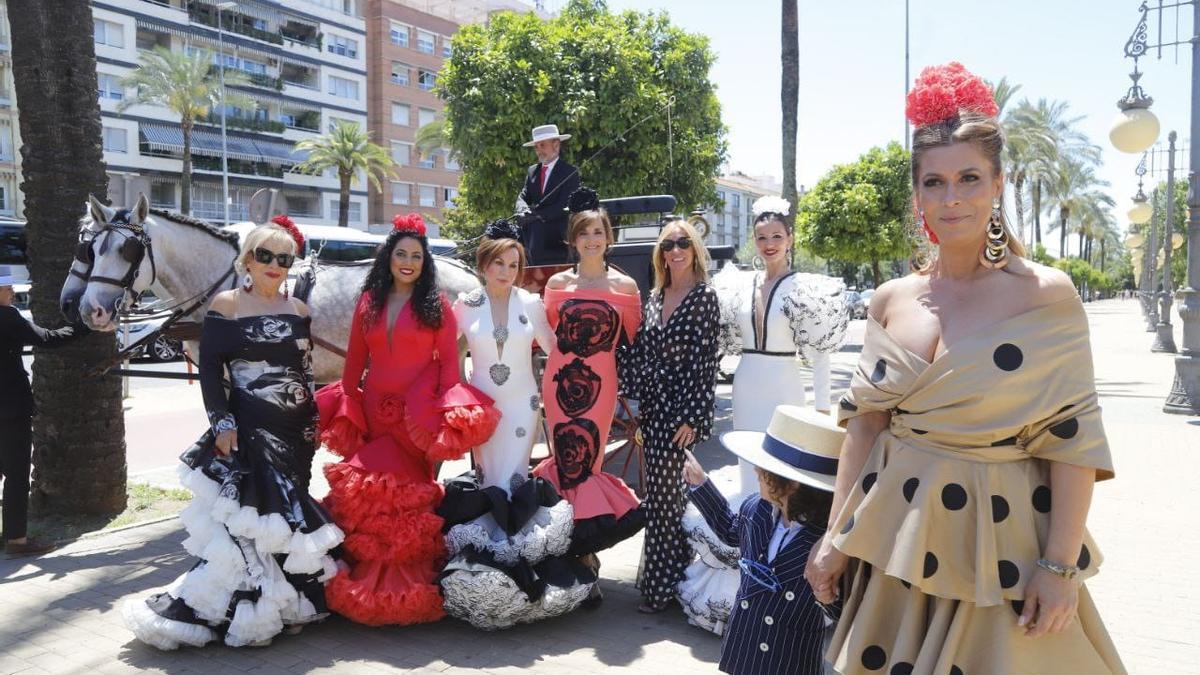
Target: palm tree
(348,149)
(1094,216)
(1025,140)
(1042,159)
(1070,188)
(432,138)
(188,86)
(1002,92)
(79,433)
(789,94)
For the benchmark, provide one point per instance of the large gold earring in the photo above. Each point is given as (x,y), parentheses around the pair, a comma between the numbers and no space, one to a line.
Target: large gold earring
(995,250)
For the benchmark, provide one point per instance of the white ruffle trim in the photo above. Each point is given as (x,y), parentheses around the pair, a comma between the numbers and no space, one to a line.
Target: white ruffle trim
(490,600)
(546,535)
(704,542)
(707,595)
(161,632)
(307,552)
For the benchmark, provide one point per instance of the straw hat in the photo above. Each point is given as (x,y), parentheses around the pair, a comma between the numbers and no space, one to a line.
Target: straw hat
(800,444)
(546,132)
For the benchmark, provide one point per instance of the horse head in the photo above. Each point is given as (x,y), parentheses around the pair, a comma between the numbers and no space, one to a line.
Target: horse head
(116,251)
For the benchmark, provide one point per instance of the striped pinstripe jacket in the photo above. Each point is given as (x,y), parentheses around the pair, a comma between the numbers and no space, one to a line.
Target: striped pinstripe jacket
(769,632)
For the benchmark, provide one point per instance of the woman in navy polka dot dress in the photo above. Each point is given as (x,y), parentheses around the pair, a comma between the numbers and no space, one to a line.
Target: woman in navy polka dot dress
(672,373)
(974,437)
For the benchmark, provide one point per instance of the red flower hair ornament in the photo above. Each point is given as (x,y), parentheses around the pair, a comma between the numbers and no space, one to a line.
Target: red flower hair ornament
(287,224)
(941,92)
(411,222)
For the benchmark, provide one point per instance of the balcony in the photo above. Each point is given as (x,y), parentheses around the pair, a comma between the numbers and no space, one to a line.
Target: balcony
(233,22)
(246,123)
(306,121)
(240,167)
(256,79)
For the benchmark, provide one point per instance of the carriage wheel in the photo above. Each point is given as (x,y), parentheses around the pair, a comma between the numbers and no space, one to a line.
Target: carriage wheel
(627,431)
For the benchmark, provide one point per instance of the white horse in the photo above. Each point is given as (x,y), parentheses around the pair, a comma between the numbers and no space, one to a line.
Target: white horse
(127,251)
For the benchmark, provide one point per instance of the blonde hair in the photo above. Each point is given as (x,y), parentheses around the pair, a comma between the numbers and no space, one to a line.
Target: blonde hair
(490,249)
(581,220)
(662,275)
(263,234)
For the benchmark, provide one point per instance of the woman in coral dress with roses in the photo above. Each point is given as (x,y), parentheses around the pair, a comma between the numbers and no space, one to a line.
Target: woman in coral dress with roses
(410,413)
(593,311)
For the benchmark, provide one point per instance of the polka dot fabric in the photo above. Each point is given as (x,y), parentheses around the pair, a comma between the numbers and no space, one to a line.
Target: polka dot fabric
(952,507)
(676,368)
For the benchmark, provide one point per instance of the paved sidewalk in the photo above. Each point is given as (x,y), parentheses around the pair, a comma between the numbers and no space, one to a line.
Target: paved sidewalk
(61,613)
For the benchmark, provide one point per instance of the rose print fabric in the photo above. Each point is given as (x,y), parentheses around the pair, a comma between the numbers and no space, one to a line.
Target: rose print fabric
(580,393)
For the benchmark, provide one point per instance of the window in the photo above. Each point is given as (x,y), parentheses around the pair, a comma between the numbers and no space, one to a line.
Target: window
(426,80)
(162,195)
(448,196)
(355,215)
(253,67)
(343,88)
(445,48)
(115,140)
(451,162)
(3,198)
(737,202)
(426,161)
(342,251)
(109,33)
(206,202)
(401,114)
(402,153)
(334,121)
(109,86)
(399,35)
(425,42)
(401,193)
(343,46)
(425,116)
(400,73)
(428,195)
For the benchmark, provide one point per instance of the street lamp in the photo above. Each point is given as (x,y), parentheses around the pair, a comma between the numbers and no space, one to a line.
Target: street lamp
(1164,340)
(1132,131)
(221,8)
(1140,214)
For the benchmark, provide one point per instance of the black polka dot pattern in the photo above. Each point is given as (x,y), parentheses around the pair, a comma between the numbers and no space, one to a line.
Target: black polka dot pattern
(954,497)
(1066,429)
(1010,574)
(901,668)
(846,405)
(1018,606)
(874,658)
(931,565)
(848,526)
(999,509)
(1085,558)
(1008,357)
(868,481)
(910,488)
(1011,440)
(880,371)
(1041,499)
(955,670)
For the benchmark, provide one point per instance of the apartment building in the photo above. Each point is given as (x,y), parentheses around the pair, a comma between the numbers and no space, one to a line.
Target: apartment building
(730,220)
(306,66)
(12,204)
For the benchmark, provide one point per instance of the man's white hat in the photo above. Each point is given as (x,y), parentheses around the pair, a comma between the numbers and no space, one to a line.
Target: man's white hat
(9,276)
(546,132)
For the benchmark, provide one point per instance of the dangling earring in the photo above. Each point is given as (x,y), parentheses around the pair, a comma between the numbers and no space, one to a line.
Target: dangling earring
(285,289)
(928,230)
(247,282)
(995,250)
(758,263)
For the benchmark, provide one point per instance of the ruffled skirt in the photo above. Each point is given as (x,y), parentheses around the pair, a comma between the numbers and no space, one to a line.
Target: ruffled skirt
(710,583)
(264,549)
(607,512)
(510,561)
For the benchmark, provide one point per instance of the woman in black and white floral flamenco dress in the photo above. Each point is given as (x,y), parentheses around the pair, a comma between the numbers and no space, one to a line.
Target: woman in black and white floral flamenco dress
(507,534)
(775,319)
(262,540)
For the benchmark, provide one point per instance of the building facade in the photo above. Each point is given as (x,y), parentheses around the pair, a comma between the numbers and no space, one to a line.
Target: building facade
(305,62)
(12,204)
(730,220)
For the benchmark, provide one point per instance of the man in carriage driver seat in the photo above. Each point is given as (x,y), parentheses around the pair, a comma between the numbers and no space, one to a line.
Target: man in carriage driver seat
(542,204)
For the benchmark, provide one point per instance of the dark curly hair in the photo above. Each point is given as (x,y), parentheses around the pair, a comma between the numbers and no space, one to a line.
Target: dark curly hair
(768,216)
(805,504)
(426,301)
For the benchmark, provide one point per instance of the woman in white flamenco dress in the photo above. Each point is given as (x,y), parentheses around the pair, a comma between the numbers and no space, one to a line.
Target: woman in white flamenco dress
(777,320)
(507,533)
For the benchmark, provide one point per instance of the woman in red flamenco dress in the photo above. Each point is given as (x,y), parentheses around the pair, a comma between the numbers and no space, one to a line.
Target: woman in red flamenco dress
(410,413)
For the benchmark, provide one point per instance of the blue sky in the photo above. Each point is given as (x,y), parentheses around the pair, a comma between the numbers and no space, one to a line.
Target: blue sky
(852,70)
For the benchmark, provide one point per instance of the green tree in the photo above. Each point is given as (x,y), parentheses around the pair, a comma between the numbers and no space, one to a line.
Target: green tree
(348,150)
(859,213)
(602,77)
(187,85)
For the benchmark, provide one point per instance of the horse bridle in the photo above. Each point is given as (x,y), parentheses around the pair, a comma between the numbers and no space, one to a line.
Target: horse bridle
(134,249)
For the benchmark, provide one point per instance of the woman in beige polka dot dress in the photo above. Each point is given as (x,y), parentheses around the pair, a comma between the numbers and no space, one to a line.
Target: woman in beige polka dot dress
(974,437)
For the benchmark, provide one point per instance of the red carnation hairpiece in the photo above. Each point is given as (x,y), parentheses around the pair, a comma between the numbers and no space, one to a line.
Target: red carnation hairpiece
(940,92)
(411,222)
(287,224)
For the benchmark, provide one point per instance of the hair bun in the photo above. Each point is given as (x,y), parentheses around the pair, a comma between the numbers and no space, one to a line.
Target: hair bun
(583,199)
(290,225)
(941,92)
(502,229)
(411,222)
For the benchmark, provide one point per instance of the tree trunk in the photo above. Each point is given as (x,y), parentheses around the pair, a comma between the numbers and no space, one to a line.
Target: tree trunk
(1081,238)
(1037,211)
(185,178)
(344,199)
(79,432)
(1019,203)
(1062,233)
(1102,252)
(876,272)
(789,94)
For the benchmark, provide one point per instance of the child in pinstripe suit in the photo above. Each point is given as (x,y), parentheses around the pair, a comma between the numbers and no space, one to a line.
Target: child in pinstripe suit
(776,626)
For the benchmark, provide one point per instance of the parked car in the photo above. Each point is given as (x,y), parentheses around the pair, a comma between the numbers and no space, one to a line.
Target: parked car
(21,300)
(866,298)
(856,305)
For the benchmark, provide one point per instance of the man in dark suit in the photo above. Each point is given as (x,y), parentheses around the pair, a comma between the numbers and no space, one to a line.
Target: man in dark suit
(542,203)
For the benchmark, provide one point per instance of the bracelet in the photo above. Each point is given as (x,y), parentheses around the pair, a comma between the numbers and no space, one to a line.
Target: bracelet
(1059,570)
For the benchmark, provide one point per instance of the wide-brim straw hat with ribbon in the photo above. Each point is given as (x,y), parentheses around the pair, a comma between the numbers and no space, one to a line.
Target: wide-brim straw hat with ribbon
(546,132)
(800,444)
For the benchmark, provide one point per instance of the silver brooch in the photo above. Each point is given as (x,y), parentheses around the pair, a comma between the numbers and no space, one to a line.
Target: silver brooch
(500,334)
(535,402)
(474,298)
(499,373)
(522,318)
(520,432)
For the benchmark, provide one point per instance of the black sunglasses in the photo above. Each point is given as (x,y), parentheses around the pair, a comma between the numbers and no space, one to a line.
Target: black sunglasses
(669,245)
(265,257)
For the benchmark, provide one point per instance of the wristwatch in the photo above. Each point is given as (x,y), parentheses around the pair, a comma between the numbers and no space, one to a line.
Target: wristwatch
(1060,570)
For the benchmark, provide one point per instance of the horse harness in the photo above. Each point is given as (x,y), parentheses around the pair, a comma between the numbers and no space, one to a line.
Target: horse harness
(135,247)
